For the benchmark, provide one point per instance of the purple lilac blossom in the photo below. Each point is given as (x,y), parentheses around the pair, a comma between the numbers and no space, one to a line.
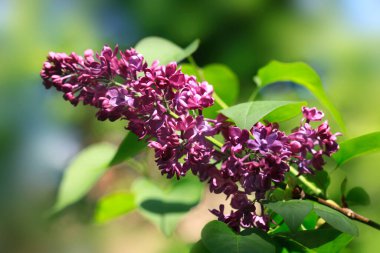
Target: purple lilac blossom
(312,114)
(163,106)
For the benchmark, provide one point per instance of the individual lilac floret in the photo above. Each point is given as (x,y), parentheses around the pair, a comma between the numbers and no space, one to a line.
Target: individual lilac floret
(268,139)
(235,138)
(312,114)
(194,96)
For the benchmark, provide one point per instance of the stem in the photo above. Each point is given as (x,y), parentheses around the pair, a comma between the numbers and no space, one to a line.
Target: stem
(118,84)
(173,114)
(218,100)
(254,94)
(195,65)
(137,166)
(256,91)
(214,141)
(306,182)
(345,211)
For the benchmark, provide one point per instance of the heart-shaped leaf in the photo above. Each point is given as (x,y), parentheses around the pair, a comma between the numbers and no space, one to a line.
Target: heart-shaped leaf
(245,115)
(217,237)
(156,48)
(129,147)
(336,219)
(293,211)
(357,146)
(190,70)
(301,74)
(83,172)
(225,83)
(357,196)
(114,205)
(166,207)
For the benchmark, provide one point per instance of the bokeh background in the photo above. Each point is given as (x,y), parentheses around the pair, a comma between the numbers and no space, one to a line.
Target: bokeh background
(39,132)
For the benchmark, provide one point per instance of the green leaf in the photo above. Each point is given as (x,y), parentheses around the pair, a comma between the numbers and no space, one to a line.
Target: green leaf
(189,50)
(129,147)
(324,240)
(284,113)
(156,48)
(357,196)
(357,146)
(339,243)
(299,73)
(245,115)
(190,70)
(225,83)
(83,172)
(293,211)
(166,207)
(114,205)
(277,194)
(219,238)
(222,78)
(336,219)
(199,247)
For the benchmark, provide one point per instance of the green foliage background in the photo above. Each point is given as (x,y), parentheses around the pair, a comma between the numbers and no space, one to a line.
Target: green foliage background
(40,133)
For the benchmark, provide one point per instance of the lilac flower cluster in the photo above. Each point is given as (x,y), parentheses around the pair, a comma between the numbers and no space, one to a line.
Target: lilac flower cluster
(257,164)
(164,107)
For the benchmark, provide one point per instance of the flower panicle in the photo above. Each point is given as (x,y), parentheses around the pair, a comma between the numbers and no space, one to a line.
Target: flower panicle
(122,86)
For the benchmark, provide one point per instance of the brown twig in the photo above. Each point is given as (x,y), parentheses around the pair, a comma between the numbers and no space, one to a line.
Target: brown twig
(346,211)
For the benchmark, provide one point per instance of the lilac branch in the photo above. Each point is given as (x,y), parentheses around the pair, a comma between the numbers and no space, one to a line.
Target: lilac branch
(345,211)
(161,105)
